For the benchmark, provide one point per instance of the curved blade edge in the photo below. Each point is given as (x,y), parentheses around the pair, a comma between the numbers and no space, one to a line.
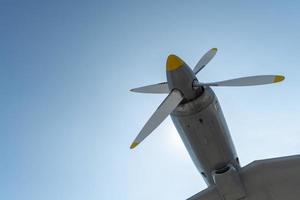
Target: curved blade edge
(165,108)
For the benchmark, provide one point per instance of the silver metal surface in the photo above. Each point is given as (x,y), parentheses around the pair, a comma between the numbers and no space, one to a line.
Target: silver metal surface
(204,132)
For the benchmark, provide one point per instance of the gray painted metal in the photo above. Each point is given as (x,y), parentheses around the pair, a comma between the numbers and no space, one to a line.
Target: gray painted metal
(229,183)
(205,60)
(164,109)
(244,81)
(182,79)
(159,88)
(271,179)
(204,132)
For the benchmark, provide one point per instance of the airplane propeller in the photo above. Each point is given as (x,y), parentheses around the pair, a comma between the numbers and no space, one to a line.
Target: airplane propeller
(245,81)
(204,60)
(178,88)
(162,112)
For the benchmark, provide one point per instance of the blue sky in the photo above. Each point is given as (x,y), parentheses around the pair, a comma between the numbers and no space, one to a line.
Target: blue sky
(68,118)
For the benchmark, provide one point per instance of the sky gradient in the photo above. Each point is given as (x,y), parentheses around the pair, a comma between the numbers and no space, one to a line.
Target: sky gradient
(67,117)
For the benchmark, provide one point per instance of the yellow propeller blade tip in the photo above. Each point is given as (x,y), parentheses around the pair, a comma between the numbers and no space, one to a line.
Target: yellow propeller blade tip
(278,79)
(174,62)
(133,145)
(214,49)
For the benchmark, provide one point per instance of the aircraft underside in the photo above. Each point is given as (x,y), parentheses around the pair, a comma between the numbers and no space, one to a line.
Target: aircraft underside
(271,179)
(198,117)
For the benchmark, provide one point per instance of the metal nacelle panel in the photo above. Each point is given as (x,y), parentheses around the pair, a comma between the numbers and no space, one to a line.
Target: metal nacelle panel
(229,184)
(204,132)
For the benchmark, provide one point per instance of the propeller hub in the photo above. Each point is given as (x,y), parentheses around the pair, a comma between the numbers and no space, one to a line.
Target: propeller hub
(181,77)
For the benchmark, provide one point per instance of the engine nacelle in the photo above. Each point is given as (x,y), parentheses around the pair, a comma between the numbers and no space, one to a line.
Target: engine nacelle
(228,183)
(228,186)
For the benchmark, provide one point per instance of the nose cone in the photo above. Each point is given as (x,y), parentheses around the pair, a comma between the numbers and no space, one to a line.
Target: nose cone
(174,62)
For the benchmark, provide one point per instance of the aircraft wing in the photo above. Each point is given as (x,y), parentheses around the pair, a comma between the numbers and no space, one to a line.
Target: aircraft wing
(270,179)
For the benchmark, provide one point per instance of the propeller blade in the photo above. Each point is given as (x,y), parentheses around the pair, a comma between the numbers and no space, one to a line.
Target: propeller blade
(204,60)
(165,108)
(160,88)
(246,81)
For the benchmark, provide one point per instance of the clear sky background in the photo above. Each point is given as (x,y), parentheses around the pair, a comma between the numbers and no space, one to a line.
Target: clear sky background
(67,117)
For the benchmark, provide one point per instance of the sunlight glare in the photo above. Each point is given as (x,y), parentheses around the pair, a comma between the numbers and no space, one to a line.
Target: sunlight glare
(173,140)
